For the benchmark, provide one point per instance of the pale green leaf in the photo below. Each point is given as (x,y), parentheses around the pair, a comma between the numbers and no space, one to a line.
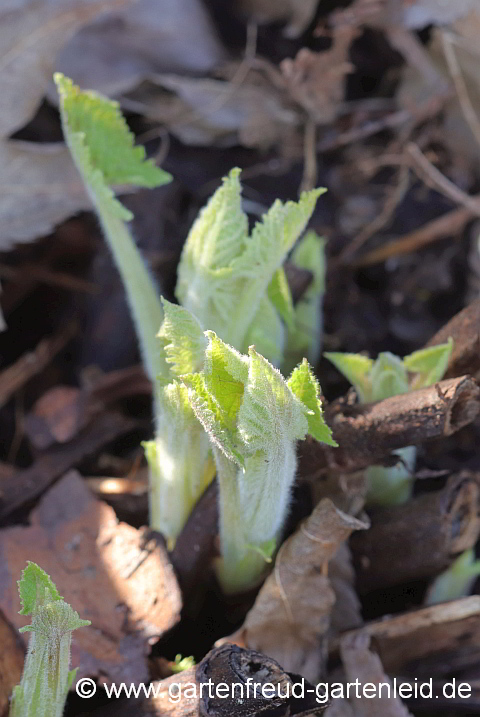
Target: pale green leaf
(305,386)
(388,377)
(219,427)
(104,131)
(182,338)
(217,236)
(35,589)
(430,364)
(267,332)
(224,274)
(355,368)
(281,297)
(103,150)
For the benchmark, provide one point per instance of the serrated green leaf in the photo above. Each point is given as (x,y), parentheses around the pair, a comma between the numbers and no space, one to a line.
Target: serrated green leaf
(182,338)
(279,294)
(270,414)
(218,426)
(224,275)
(105,133)
(355,368)
(430,364)
(226,373)
(35,589)
(217,236)
(305,386)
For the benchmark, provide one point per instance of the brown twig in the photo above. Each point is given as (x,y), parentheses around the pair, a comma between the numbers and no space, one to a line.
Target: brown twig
(393,200)
(436,180)
(32,363)
(464,329)
(419,539)
(446,225)
(368,433)
(26,485)
(448,41)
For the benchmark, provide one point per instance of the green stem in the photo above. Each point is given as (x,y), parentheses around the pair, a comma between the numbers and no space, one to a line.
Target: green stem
(143,298)
(392,485)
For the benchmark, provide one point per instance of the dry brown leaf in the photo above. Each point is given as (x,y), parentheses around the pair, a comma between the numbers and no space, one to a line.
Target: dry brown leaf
(316,79)
(207,111)
(31,34)
(104,570)
(347,611)
(113,54)
(363,665)
(39,188)
(298,13)
(291,614)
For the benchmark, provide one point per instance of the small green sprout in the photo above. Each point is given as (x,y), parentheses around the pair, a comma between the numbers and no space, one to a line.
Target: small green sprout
(389,376)
(46,677)
(229,280)
(180,664)
(455,582)
(254,417)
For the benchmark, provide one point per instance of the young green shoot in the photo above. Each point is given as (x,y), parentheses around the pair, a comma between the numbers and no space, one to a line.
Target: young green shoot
(233,281)
(229,280)
(455,582)
(254,417)
(389,376)
(46,678)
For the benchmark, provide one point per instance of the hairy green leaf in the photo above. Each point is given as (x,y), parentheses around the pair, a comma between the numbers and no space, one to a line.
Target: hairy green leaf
(183,339)
(305,386)
(35,589)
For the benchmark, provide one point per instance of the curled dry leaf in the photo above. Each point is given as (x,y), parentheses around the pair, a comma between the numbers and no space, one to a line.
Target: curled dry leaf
(104,569)
(114,53)
(31,34)
(291,614)
(298,13)
(316,79)
(209,111)
(364,665)
(39,188)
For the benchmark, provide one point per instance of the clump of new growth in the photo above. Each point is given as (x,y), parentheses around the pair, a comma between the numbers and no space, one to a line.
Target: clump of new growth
(389,376)
(253,417)
(46,677)
(455,582)
(231,281)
